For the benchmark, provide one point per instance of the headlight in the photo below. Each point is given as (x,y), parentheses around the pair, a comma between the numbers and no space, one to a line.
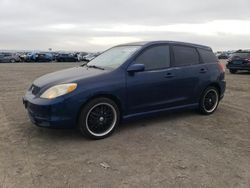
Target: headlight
(58,90)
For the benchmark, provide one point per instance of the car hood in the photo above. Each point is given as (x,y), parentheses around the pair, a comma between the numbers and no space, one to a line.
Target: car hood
(67,75)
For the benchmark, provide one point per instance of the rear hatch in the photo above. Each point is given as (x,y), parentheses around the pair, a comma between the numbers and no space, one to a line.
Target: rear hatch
(239,59)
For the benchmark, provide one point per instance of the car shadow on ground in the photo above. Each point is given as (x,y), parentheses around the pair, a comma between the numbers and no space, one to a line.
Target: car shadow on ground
(151,120)
(74,134)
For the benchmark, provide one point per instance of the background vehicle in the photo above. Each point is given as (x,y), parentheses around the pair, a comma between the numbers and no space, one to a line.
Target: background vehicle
(37,57)
(30,57)
(66,57)
(9,58)
(23,56)
(239,60)
(223,56)
(43,57)
(81,55)
(90,57)
(127,81)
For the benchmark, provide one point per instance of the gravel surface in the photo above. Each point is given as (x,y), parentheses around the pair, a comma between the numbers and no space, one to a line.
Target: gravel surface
(181,149)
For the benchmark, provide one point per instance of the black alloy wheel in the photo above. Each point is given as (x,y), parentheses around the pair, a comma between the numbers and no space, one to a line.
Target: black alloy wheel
(99,118)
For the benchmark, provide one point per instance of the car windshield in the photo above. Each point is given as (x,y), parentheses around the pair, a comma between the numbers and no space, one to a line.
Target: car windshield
(113,57)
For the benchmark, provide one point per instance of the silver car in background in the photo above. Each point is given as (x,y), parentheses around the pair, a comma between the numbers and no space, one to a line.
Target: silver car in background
(6,57)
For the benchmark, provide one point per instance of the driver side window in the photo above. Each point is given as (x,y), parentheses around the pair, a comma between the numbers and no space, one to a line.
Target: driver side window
(157,57)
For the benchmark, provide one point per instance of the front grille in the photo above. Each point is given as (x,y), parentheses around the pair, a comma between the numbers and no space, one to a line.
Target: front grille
(34,89)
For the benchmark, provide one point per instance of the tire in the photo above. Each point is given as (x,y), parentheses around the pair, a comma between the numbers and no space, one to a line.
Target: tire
(209,101)
(232,71)
(12,61)
(99,118)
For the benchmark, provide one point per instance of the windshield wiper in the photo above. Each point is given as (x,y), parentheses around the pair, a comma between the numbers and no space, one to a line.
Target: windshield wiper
(95,67)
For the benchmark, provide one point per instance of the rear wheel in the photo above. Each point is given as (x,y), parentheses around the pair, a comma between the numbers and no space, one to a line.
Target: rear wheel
(232,71)
(99,118)
(209,101)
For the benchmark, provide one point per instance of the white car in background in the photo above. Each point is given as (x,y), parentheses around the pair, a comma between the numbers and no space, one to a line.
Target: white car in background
(90,56)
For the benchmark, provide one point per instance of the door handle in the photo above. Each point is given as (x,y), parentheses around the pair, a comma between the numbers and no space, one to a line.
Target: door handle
(203,70)
(169,75)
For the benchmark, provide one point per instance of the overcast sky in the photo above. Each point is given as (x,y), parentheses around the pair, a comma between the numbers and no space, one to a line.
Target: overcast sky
(93,25)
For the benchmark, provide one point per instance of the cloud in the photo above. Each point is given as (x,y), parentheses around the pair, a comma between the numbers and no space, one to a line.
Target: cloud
(104,41)
(209,28)
(97,24)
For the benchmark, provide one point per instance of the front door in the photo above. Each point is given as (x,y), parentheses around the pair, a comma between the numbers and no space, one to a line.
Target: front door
(150,89)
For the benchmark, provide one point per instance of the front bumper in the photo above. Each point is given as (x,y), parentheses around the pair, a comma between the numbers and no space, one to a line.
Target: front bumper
(54,113)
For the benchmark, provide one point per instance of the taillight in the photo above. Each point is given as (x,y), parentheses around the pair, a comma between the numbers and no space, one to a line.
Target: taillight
(247,59)
(221,67)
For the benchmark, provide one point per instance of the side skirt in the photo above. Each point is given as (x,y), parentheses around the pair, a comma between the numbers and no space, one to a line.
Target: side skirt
(176,108)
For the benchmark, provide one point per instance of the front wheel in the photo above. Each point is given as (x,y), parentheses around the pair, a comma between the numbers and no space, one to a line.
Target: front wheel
(209,101)
(99,118)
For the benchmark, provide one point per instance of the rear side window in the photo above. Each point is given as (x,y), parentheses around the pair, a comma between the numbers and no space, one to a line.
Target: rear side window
(184,55)
(207,56)
(156,57)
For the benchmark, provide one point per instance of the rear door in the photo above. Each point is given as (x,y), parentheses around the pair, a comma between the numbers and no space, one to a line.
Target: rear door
(189,73)
(213,74)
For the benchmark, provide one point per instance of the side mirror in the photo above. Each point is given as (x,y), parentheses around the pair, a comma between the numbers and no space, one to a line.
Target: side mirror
(136,68)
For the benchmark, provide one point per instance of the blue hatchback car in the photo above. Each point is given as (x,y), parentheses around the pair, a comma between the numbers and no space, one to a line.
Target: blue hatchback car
(127,81)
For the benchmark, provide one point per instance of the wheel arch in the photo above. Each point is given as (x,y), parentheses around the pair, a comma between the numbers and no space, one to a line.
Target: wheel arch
(217,86)
(114,98)
(213,84)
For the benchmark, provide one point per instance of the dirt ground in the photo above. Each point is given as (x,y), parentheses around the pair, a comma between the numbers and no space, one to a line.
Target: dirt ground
(181,149)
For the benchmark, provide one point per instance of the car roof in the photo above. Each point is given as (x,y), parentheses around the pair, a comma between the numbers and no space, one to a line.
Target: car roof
(148,43)
(242,51)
